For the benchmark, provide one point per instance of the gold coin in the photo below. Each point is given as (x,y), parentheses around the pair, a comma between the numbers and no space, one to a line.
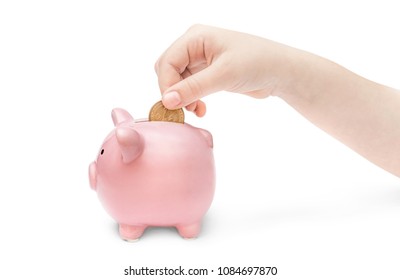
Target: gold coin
(159,113)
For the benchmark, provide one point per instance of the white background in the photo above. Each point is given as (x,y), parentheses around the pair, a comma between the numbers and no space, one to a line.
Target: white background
(287,194)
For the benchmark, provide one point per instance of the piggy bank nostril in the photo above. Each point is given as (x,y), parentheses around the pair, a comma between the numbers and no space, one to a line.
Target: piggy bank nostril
(102,151)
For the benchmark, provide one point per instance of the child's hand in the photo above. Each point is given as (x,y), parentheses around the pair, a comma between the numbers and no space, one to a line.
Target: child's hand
(208,59)
(362,114)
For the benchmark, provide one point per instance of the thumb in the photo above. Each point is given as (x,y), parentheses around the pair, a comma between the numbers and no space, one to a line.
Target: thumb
(194,87)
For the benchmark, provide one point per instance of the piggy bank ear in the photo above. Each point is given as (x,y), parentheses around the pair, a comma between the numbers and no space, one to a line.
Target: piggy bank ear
(119,115)
(207,135)
(130,142)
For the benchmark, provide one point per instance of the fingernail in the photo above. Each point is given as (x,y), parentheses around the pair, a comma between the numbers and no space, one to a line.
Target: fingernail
(171,99)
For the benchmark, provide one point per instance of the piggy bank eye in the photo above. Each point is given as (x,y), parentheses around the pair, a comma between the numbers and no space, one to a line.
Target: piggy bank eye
(102,151)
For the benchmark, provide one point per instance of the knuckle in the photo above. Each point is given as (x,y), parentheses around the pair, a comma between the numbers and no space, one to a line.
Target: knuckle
(196,28)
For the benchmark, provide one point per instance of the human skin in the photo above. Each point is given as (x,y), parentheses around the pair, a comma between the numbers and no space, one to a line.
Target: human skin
(362,114)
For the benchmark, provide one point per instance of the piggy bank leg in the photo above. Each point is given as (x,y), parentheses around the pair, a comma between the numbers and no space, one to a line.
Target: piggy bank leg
(189,231)
(131,233)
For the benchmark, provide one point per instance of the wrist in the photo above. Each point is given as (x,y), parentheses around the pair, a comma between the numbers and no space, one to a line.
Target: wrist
(307,76)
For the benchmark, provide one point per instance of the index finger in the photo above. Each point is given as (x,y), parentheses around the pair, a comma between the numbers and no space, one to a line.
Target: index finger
(172,63)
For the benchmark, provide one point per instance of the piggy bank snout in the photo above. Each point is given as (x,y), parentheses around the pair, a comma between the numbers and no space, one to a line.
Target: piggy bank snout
(93,175)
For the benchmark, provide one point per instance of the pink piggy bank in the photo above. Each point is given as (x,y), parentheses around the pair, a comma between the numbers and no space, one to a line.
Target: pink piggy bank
(151,173)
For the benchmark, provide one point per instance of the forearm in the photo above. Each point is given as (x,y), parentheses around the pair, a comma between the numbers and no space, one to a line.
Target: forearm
(362,114)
